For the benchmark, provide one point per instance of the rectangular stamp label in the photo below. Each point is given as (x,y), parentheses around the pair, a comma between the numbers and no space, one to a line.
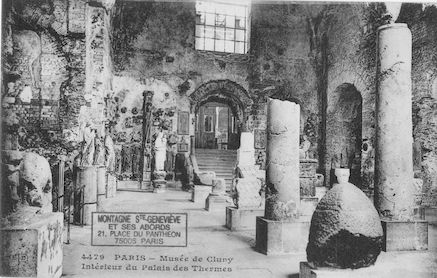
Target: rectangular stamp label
(139,229)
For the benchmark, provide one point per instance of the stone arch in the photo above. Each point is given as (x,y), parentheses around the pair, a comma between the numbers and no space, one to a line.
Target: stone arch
(344,132)
(223,91)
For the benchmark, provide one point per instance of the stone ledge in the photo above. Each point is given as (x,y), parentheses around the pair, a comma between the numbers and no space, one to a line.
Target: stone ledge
(405,236)
(242,218)
(200,193)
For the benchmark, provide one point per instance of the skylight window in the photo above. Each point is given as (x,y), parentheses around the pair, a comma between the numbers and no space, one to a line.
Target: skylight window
(222,27)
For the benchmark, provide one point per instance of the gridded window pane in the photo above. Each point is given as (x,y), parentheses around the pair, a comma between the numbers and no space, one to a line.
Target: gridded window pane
(239,35)
(209,44)
(239,47)
(230,34)
(200,42)
(230,21)
(209,32)
(220,45)
(200,30)
(220,20)
(200,18)
(240,22)
(229,46)
(210,19)
(220,33)
(221,27)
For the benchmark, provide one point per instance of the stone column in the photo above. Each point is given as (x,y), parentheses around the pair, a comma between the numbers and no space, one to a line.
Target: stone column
(282,168)
(280,230)
(394,188)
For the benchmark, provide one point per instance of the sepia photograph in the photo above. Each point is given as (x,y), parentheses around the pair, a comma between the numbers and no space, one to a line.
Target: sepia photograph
(218,138)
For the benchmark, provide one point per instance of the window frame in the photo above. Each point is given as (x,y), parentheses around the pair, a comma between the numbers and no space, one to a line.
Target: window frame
(203,38)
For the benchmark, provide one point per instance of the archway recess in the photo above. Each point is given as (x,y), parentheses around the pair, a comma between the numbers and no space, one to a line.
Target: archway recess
(344,132)
(224,92)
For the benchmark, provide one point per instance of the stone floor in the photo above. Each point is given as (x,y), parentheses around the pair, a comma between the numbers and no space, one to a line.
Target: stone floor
(207,237)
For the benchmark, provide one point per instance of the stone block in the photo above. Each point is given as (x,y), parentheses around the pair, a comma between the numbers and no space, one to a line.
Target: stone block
(33,249)
(159,186)
(308,206)
(307,167)
(307,187)
(218,186)
(206,178)
(111,188)
(320,192)
(404,235)
(216,203)
(431,215)
(88,209)
(306,271)
(277,237)
(200,193)
(243,218)
(101,180)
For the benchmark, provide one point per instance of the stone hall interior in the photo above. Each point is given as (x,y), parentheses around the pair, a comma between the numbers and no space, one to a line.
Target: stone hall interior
(293,139)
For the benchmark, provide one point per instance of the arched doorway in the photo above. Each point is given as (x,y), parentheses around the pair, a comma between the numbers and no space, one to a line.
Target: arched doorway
(216,127)
(344,133)
(221,108)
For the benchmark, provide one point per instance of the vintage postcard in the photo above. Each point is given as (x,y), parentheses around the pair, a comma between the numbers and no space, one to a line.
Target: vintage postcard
(218,138)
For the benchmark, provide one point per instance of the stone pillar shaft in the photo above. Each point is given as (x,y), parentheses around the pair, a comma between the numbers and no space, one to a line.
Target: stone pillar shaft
(282,170)
(394,190)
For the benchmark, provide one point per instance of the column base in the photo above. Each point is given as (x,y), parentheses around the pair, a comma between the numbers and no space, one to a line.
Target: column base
(242,218)
(200,193)
(215,203)
(276,237)
(405,236)
(33,249)
(159,186)
(111,188)
(100,199)
(88,209)
(306,271)
(308,206)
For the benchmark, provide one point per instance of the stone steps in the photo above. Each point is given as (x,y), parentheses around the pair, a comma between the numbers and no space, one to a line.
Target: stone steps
(222,162)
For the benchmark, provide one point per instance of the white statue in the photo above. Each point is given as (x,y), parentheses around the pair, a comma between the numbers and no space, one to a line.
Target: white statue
(304,147)
(160,151)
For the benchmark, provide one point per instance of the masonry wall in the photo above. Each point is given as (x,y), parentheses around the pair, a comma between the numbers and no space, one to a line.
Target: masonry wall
(283,54)
(153,49)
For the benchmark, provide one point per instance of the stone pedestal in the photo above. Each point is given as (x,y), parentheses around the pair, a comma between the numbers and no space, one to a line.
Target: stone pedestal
(307,171)
(87,180)
(33,249)
(242,218)
(308,206)
(246,152)
(216,203)
(306,271)
(88,209)
(111,187)
(200,193)
(405,235)
(279,231)
(159,182)
(101,185)
(276,237)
